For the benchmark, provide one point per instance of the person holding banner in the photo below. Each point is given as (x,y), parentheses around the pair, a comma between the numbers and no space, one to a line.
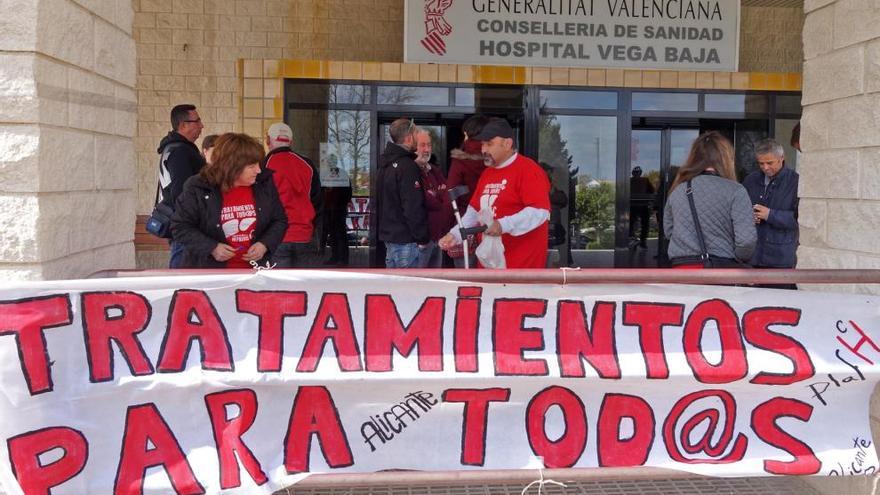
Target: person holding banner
(708,216)
(230,215)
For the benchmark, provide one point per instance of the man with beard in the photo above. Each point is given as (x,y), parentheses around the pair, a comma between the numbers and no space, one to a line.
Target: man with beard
(402,217)
(517,191)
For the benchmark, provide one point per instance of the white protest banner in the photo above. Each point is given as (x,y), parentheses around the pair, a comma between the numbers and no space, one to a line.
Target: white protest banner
(640,34)
(245,382)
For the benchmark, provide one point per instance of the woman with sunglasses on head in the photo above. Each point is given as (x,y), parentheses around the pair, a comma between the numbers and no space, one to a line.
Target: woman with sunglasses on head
(229,215)
(708,216)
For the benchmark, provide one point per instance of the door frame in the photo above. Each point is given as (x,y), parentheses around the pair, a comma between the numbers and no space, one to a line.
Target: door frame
(451,122)
(666,176)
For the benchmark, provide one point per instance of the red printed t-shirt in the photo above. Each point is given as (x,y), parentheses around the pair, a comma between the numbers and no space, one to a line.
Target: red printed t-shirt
(238,219)
(507,191)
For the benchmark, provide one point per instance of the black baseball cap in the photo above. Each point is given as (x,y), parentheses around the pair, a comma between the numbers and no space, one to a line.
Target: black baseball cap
(496,127)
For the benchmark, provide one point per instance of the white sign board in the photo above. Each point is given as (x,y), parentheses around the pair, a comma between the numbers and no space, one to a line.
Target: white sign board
(639,34)
(332,174)
(243,383)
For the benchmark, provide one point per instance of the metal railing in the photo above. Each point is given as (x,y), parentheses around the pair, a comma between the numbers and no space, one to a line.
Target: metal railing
(722,276)
(486,476)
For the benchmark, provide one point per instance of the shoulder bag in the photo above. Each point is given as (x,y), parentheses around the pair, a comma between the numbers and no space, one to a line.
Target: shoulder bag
(706,259)
(159,222)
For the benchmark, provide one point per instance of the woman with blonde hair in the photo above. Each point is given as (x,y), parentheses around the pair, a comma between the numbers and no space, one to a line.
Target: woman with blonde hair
(708,215)
(229,215)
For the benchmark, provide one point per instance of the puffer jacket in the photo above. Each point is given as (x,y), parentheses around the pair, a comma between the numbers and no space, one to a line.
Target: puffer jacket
(196,220)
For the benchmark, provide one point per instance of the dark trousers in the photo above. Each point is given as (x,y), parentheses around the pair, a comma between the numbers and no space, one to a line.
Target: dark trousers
(295,255)
(644,217)
(337,236)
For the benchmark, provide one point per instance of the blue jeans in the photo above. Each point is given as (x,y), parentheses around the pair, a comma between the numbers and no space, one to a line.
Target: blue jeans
(176,258)
(401,255)
(430,256)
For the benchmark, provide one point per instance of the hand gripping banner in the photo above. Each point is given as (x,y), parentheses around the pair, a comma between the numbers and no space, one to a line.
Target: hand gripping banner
(247,382)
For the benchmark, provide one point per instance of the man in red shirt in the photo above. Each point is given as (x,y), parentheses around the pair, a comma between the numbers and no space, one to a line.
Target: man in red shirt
(299,189)
(517,191)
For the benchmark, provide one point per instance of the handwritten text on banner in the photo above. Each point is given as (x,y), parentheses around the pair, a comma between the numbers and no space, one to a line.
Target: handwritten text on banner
(244,382)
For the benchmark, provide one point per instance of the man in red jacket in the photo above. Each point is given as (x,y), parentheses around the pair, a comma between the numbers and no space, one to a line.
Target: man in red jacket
(517,192)
(299,189)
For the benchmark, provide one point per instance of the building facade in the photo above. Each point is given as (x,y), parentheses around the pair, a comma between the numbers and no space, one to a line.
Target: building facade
(86,87)
(249,64)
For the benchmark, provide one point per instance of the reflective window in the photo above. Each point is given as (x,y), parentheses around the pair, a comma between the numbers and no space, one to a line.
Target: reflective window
(597,100)
(412,95)
(646,152)
(489,97)
(328,93)
(335,139)
(746,134)
(675,102)
(583,150)
(679,148)
(464,97)
(736,103)
(788,104)
(656,156)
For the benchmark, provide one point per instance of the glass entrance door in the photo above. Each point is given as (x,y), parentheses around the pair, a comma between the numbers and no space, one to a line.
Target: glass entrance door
(438,130)
(656,153)
(446,135)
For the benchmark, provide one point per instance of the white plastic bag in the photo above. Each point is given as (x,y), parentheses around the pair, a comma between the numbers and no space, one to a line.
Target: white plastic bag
(490,252)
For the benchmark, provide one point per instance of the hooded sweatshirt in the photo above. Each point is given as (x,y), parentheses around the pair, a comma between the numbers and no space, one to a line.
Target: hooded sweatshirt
(182,162)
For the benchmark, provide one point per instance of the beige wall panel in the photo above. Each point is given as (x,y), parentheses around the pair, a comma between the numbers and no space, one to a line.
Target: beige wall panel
(67,126)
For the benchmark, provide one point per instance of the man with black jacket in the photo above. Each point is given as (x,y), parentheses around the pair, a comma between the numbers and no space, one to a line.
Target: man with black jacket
(179,159)
(773,190)
(403,220)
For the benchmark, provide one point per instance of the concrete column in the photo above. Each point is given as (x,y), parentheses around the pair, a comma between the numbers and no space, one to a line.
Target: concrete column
(68,113)
(840,171)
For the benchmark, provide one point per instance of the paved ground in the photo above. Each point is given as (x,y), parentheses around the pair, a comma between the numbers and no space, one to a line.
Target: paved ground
(701,486)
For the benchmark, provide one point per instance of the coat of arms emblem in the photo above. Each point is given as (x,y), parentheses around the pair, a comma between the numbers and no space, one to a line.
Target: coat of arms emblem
(436,27)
